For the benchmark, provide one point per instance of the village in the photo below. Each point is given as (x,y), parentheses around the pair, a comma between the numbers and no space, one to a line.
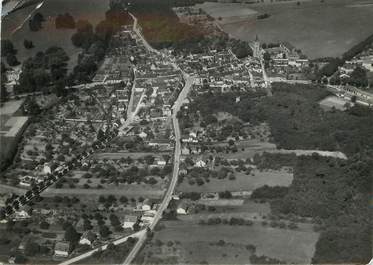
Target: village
(134,152)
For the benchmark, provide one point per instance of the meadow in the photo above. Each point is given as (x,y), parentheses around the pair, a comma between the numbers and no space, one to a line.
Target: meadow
(319,29)
(286,245)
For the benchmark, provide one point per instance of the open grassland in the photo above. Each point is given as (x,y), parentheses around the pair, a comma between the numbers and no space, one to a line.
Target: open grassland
(227,12)
(319,29)
(242,182)
(15,26)
(286,245)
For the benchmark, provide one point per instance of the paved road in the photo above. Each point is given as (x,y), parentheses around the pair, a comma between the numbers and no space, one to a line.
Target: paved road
(265,77)
(167,197)
(171,188)
(115,242)
(362,96)
(130,103)
(136,29)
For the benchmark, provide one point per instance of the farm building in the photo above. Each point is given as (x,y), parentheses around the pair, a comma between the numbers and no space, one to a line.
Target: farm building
(62,249)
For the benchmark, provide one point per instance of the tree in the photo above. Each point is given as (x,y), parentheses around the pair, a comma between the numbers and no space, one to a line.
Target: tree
(71,234)
(3,93)
(28,44)
(31,248)
(104,231)
(7,48)
(36,21)
(84,36)
(31,107)
(19,259)
(358,77)
(12,60)
(44,225)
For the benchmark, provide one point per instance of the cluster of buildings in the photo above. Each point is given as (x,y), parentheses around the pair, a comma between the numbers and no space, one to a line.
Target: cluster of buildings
(195,16)
(285,61)
(221,71)
(363,60)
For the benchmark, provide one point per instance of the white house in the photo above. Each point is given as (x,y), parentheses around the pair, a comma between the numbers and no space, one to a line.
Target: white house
(182,208)
(61,249)
(47,169)
(143,135)
(129,221)
(87,238)
(21,215)
(160,162)
(200,163)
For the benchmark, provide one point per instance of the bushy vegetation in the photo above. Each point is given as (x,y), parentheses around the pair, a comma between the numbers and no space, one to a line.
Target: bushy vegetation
(267,192)
(35,23)
(295,118)
(43,71)
(9,52)
(28,44)
(334,193)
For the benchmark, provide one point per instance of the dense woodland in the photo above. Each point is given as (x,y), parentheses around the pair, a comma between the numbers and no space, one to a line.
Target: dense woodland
(335,193)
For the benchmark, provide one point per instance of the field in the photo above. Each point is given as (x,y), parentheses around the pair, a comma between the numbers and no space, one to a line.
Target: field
(318,29)
(333,102)
(286,245)
(91,10)
(227,13)
(242,182)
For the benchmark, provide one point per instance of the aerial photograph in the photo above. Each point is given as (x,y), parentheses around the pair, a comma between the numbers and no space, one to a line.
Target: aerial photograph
(222,132)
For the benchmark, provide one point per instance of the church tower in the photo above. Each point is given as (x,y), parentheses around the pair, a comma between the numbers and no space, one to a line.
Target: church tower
(256,48)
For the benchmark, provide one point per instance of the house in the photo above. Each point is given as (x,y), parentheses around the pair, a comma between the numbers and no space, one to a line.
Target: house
(183,169)
(87,238)
(3,199)
(12,260)
(185,151)
(25,181)
(47,169)
(193,134)
(160,143)
(182,208)
(143,135)
(62,249)
(21,215)
(147,219)
(146,205)
(129,221)
(200,163)
(22,244)
(160,162)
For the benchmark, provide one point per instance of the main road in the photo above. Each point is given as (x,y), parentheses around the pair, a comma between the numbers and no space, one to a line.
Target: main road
(171,188)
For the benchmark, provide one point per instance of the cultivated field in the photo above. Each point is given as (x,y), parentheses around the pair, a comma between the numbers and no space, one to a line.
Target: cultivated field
(15,26)
(227,12)
(286,245)
(319,29)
